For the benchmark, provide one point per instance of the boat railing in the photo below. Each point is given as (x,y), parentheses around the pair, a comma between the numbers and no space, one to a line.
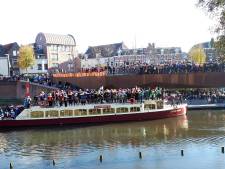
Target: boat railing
(44,104)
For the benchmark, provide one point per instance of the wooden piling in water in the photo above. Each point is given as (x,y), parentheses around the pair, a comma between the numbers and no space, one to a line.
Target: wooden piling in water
(10,165)
(182,152)
(100,158)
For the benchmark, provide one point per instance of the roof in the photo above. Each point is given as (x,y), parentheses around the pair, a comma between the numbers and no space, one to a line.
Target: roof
(9,46)
(57,39)
(105,50)
(203,45)
(2,51)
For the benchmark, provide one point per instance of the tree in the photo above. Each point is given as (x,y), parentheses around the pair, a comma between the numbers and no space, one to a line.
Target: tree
(197,55)
(217,9)
(26,57)
(220,46)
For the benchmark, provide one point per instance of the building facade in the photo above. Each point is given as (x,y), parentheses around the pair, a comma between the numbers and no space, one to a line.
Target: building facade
(101,55)
(118,55)
(55,53)
(4,68)
(11,52)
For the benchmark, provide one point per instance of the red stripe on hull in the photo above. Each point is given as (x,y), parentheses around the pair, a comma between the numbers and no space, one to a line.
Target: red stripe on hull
(95,119)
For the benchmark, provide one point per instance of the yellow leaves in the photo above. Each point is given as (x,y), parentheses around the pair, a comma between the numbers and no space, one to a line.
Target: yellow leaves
(197,55)
(26,57)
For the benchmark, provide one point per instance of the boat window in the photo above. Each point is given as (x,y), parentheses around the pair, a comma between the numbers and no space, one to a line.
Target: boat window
(66,113)
(150,106)
(159,104)
(51,113)
(134,109)
(80,112)
(108,111)
(122,110)
(37,114)
(94,111)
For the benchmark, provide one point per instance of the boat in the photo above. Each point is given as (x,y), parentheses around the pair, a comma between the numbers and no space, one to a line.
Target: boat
(94,114)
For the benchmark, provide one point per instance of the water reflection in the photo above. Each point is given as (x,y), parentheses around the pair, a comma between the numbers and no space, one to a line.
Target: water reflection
(198,127)
(54,141)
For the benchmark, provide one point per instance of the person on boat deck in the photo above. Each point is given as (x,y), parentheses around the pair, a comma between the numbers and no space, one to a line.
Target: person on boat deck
(50,100)
(12,112)
(27,102)
(83,98)
(65,98)
(61,99)
(1,113)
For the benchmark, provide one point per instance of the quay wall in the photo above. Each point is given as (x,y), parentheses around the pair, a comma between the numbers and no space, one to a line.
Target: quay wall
(8,90)
(17,89)
(189,80)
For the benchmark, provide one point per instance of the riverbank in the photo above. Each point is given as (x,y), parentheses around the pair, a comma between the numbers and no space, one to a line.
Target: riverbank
(207,106)
(203,104)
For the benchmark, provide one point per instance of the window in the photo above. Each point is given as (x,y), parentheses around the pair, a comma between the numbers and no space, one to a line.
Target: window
(63,48)
(55,47)
(150,106)
(37,114)
(159,104)
(39,66)
(55,65)
(134,109)
(94,111)
(80,112)
(122,110)
(52,113)
(66,113)
(14,52)
(108,111)
(54,57)
(46,66)
(14,62)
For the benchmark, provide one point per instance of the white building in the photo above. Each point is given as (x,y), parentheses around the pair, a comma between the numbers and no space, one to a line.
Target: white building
(118,54)
(5,66)
(54,52)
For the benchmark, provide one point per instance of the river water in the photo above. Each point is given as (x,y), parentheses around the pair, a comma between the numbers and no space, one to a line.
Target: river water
(201,134)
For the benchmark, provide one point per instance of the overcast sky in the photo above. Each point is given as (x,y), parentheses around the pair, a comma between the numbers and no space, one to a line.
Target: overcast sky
(96,22)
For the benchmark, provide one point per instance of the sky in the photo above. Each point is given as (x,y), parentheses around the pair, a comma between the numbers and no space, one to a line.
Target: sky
(167,23)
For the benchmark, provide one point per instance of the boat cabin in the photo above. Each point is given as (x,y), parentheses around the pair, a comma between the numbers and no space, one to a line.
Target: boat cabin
(89,110)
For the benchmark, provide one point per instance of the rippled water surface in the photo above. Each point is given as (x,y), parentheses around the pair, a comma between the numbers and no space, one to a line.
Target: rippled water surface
(201,134)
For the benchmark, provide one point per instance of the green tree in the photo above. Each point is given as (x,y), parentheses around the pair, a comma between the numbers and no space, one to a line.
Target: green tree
(217,9)
(197,55)
(26,57)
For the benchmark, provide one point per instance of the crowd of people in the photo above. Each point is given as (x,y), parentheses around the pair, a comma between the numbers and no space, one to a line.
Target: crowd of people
(91,96)
(206,95)
(165,68)
(10,112)
(69,97)
(73,97)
